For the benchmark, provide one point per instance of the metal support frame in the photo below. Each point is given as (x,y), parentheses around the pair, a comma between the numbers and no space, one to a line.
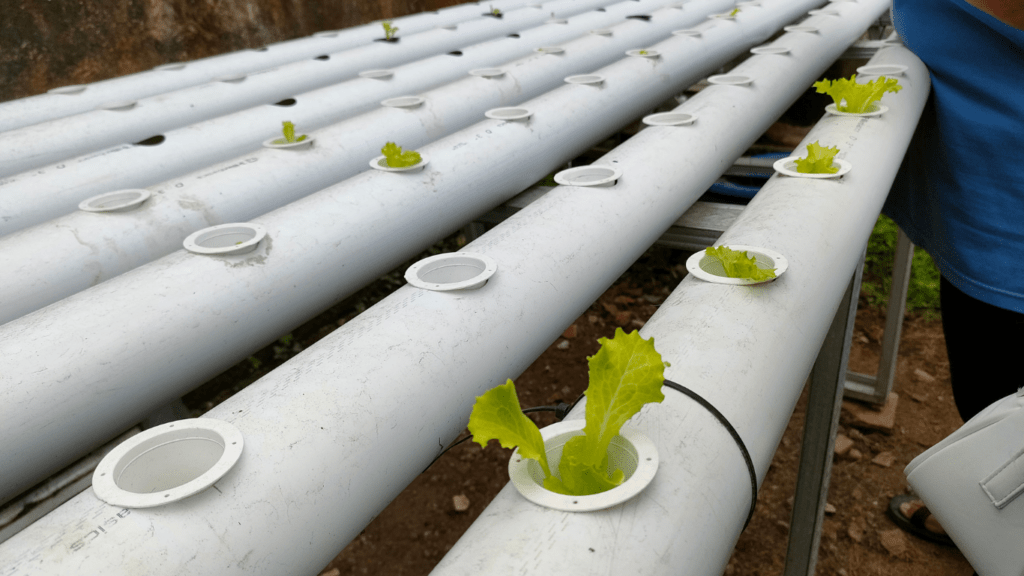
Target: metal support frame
(820,426)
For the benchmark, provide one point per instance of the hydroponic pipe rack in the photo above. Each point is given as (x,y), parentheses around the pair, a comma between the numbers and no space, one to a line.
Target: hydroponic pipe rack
(65,101)
(36,196)
(127,120)
(203,314)
(455,344)
(104,245)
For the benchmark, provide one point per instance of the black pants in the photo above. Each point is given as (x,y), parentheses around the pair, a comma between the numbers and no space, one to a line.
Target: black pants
(985,344)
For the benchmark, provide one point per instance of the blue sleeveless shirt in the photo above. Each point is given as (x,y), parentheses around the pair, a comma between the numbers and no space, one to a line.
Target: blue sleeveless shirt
(960,191)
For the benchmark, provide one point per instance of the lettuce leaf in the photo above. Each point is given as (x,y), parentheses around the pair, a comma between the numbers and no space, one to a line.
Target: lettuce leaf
(396,158)
(288,129)
(738,265)
(497,415)
(626,373)
(818,160)
(856,98)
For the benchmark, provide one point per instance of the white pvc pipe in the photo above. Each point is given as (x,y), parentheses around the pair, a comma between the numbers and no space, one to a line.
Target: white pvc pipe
(131,121)
(105,245)
(36,196)
(201,311)
(68,100)
(747,351)
(373,402)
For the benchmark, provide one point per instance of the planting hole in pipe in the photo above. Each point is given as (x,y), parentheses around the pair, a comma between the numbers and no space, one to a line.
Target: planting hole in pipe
(557,21)
(631,451)
(118,201)
(170,67)
(225,239)
(874,109)
(787,167)
(670,119)
(646,53)
(323,57)
(286,102)
(510,113)
(587,79)
(487,72)
(769,50)
(381,163)
(231,78)
(452,271)
(152,141)
(823,12)
(68,90)
(449,27)
(513,36)
(167,463)
(601,32)
(594,175)
(551,49)
(710,269)
(403,102)
(644,17)
(801,28)
(882,70)
(118,106)
(381,74)
(691,32)
(455,53)
(730,80)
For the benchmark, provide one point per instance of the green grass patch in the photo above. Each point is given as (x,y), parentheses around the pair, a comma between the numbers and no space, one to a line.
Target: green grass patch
(923,293)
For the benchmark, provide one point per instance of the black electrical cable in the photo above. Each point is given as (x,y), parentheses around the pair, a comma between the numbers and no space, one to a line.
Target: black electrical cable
(732,432)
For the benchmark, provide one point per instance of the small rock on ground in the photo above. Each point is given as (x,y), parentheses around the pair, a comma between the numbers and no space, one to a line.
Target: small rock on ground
(460,503)
(843,444)
(895,542)
(884,459)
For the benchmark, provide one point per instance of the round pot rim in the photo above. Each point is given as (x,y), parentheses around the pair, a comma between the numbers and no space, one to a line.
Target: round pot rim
(490,267)
(612,179)
(271,143)
(375,163)
(106,488)
(691,32)
(69,90)
(650,53)
(551,49)
(578,79)
(693,266)
(782,167)
(889,69)
(775,50)
(142,196)
(415,101)
(602,32)
(241,248)
(652,119)
(647,467)
(487,72)
(875,109)
(492,114)
(801,28)
(377,73)
(719,80)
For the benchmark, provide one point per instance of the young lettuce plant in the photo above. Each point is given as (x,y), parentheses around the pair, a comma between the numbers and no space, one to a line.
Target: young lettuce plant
(856,98)
(396,158)
(738,265)
(626,373)
(495,11)
(389,30)
(288,129)
(734,12)
(818,160)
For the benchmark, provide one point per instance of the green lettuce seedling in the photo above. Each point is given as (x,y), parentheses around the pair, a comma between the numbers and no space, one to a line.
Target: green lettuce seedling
(389,30)
(856,98)
(818,161)
(626,373)
(396,158)
(495,11)
(288,129)
(734,12)
(739,265)
(642,52)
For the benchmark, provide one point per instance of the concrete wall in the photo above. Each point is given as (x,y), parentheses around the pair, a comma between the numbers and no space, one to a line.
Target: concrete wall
(50,43)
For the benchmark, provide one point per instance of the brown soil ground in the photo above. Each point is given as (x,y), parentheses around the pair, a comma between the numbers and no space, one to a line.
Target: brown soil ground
(410,536)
